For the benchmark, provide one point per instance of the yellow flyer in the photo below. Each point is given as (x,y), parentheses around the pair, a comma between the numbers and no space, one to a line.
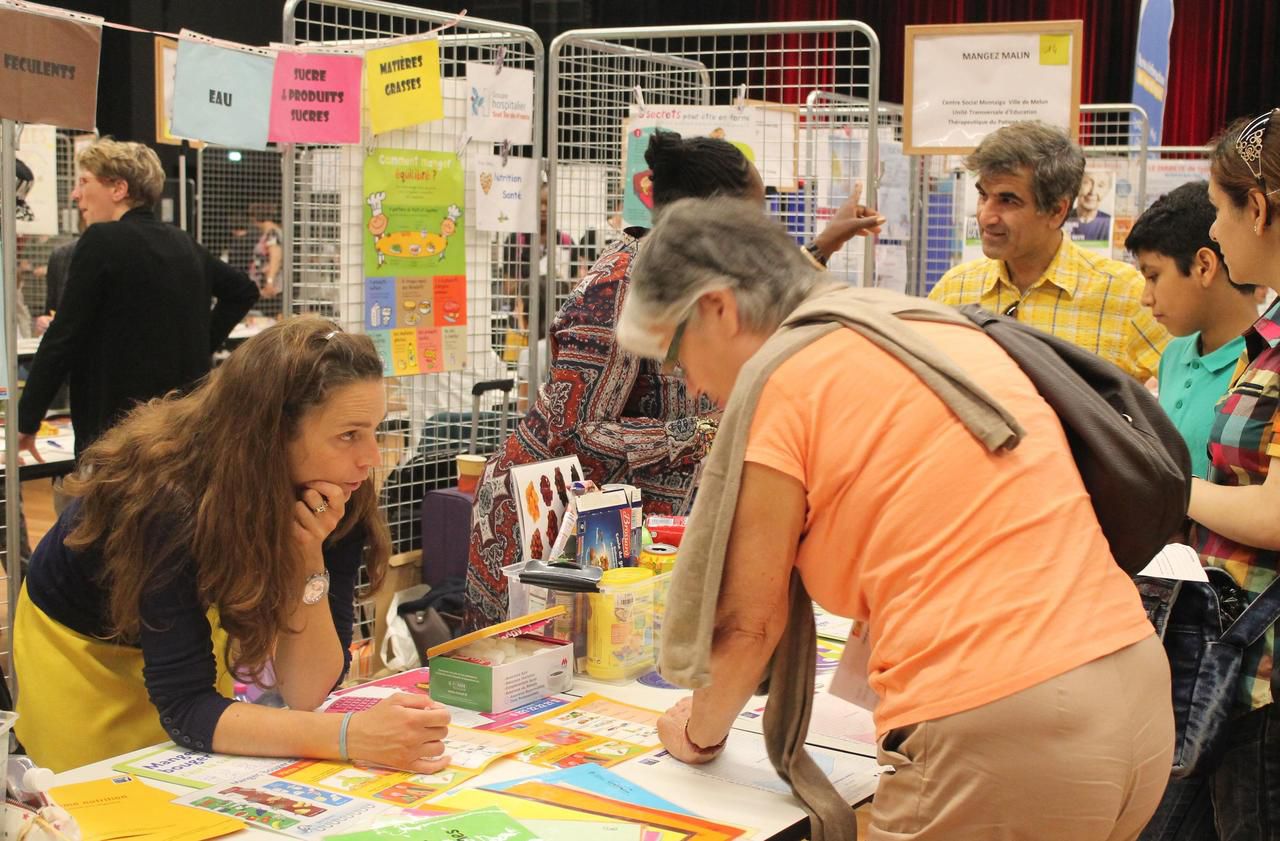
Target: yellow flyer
(402,85)
(592,730)
(471,750)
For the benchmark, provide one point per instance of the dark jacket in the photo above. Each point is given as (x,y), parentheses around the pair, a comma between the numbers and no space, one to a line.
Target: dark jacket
(134,323)
(56,277)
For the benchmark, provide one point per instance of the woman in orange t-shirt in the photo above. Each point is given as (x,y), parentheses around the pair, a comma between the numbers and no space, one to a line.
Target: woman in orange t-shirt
(1022,692)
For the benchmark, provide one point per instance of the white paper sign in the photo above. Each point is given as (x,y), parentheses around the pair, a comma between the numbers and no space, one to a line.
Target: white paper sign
(1178,562)
(967,84)
(500,103)
(1166,175)
(38,198)
(506,194)
(891,267)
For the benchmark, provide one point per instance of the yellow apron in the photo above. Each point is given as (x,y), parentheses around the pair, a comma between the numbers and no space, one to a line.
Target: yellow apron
(80,699)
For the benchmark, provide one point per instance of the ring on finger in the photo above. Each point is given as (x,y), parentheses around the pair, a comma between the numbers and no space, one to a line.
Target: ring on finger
(321,508)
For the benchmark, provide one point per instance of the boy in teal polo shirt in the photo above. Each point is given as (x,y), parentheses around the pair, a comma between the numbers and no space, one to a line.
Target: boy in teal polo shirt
(1189,291)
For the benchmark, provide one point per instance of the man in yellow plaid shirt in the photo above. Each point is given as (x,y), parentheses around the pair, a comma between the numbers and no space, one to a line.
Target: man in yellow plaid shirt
(1028,175)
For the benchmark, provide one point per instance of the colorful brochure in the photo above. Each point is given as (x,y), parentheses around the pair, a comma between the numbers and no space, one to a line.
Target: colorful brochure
(592,730)
(479,825)
(197,769)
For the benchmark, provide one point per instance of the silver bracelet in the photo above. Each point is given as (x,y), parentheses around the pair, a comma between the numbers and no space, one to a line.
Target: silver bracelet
(342,737)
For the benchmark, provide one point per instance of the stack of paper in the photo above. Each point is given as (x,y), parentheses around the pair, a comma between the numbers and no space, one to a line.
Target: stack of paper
(122,807)
(588,802)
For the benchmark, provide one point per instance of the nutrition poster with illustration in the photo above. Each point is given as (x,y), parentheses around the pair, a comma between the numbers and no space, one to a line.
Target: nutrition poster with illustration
(744,127)
(415,306)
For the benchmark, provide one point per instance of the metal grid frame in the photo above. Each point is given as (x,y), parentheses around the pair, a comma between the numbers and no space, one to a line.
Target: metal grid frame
(826,113)
(33,251)
(596,75)
(322,204)
(1112,134)
(232,185)
(23,260)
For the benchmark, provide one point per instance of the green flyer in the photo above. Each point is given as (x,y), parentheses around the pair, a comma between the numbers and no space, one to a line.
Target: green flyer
(491,824)
(413,204)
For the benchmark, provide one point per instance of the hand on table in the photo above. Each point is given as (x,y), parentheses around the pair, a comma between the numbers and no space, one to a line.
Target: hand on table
(673,730)
(404,731)
(28,442)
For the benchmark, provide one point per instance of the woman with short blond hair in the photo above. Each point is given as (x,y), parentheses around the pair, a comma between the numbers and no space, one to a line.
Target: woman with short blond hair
(137,318)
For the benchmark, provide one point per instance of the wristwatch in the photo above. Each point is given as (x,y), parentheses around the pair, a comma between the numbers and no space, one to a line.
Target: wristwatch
(812,249)
(316,587)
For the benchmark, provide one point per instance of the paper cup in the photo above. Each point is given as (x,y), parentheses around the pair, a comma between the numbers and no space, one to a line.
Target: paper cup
(470,469)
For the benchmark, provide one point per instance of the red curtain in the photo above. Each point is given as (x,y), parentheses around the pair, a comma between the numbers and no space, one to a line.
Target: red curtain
(1224,54)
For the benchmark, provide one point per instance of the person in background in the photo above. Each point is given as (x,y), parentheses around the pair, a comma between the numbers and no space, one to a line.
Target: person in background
(55,276)
(268,257)
(595,240)
(624,418)
(211,534)
(1236,509)
(138,317)
(1190,292)
(1005,712)
(1028,175)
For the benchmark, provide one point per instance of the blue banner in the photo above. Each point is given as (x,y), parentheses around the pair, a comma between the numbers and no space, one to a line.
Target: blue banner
(222,95)
(1151,64)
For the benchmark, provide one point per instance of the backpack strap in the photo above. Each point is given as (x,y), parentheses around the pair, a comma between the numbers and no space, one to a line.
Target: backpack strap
(1261,614)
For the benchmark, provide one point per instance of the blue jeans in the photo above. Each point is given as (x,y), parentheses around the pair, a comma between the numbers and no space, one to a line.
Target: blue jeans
(1185,813)
(1246,785)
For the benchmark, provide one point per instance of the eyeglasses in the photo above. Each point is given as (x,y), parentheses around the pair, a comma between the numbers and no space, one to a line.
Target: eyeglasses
(671,362)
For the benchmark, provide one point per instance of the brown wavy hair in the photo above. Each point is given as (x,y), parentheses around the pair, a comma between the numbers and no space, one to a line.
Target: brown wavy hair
(207,474)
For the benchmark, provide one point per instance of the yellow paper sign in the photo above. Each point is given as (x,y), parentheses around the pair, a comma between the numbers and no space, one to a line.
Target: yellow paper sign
(1055,49)
(402,84)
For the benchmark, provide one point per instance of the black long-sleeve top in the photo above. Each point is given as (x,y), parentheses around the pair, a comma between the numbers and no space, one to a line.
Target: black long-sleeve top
(55,278)
(134,322)
(179,668)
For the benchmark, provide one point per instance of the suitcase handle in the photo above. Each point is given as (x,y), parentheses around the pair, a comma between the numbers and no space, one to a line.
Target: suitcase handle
(479,390)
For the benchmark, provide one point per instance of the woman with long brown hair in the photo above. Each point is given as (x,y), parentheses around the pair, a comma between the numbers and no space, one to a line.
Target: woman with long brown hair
(206,532)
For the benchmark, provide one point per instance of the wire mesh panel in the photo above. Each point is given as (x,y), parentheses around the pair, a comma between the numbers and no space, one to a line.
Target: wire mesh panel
(238,196)
(46,222)
(1114,138)
(945,230)
(838,156)
(609,87)
(58,223)
(324,203)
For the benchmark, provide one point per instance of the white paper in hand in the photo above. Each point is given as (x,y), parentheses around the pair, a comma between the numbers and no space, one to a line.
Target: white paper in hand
(1176,561)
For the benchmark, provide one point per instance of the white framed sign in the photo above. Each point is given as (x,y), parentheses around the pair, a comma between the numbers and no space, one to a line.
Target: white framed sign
(965,81)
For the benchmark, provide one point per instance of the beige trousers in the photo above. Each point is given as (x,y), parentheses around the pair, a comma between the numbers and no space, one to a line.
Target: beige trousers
(1084,756)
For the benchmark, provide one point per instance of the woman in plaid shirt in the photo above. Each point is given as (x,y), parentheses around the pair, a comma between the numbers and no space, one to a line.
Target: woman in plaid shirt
(1237,508)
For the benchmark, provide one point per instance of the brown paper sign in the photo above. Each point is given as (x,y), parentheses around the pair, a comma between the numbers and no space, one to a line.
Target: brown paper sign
(49,70)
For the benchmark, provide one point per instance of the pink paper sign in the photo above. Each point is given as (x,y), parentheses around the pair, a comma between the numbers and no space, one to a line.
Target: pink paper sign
(315,98)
